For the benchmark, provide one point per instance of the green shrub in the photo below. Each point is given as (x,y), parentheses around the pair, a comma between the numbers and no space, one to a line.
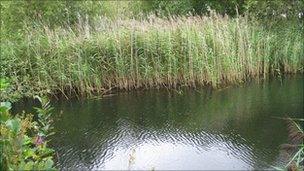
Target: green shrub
(24,140)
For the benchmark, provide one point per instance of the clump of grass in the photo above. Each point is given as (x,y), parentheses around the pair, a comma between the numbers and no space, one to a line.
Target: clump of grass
(294,150)
(127,54)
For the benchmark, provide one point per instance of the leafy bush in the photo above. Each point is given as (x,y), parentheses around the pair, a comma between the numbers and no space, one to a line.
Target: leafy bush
(15,15)
(24,140)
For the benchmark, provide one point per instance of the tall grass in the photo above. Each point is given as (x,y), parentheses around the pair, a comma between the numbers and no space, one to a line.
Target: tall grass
(154,52)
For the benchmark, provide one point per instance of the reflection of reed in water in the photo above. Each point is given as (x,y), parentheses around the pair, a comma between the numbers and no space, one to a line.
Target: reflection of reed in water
(131,159)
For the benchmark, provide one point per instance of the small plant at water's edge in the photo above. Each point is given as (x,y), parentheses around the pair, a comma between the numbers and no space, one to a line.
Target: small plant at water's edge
(295,148)
(23,142)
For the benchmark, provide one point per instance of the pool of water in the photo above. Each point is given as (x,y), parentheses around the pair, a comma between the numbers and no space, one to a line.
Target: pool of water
(232,128)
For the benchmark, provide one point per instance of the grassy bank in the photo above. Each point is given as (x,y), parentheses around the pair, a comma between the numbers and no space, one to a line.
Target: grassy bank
(154,52)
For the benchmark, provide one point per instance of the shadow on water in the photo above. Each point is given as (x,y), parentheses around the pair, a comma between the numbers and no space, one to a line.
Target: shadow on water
(231,128)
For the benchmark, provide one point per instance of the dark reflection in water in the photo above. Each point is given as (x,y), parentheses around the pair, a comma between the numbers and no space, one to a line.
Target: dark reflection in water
(231,128)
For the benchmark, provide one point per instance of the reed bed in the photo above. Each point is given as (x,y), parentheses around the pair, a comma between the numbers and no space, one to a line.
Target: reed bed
(128,54)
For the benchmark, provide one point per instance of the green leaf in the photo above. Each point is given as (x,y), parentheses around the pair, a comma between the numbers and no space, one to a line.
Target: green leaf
(14,125)
(49,163)
(8,105)
(29,153)
(3,84)
(29,166)
(43,100)
(4,115)
(26,140)
(38,98)
(21,165)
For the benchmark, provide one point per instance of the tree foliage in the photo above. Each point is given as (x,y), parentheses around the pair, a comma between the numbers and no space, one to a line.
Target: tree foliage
(15,13)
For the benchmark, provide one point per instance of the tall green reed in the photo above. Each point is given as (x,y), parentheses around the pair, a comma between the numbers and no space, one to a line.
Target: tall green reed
(154,52)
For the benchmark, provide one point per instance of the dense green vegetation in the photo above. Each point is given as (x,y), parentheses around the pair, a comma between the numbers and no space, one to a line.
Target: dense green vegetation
(153,52)
(91,46)
(23,142)
(24,136)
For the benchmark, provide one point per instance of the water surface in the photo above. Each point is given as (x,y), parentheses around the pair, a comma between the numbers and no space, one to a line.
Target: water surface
(232,128)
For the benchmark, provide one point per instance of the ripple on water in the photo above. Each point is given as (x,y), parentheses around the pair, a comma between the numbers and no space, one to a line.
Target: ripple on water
(144,131)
